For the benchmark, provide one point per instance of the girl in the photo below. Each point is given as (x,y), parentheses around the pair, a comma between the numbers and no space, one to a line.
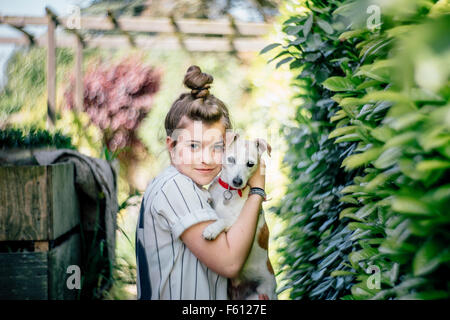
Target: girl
(173,259)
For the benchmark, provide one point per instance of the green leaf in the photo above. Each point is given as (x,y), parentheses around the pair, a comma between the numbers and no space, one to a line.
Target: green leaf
(350,102)
(368,84)
(282,53)
(430,165)
(307,26)
(427,258)
(348,199)
(338,97)
(295,64)
(351,34)
(401,139)
(338,84)
(342,273)
(325,26)
(341,131)
(376,182)
(364,226)
(398,30)
(285,60)
(293,30)
(363,254)
(294,20)
(348,138)
(357,160)
(424,95)
(269,47)
(382,133)
(365,211)
(297,41)
(388,158)
(338,116)
(349,213)
(407,120)
(410,205)
(386,95)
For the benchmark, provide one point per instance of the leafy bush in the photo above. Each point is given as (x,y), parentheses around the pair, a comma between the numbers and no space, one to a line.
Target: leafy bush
(117,98)
(370,156)
(33,138)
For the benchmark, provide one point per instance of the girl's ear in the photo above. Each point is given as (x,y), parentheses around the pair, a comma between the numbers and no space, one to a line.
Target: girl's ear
(230,137)
(262,146)
(170,143)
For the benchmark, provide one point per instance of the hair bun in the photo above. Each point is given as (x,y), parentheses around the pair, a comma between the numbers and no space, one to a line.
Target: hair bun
(198,82)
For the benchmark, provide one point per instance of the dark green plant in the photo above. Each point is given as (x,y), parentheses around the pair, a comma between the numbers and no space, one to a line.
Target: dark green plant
(317,242)
(369,122)
(33,138)
(399,204)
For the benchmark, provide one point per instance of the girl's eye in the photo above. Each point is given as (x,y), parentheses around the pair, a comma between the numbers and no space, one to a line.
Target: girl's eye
(250,164)
(218,147)
(194,146)
(231,160)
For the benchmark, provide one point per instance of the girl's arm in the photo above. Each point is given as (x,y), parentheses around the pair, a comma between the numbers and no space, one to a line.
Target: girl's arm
(226,254)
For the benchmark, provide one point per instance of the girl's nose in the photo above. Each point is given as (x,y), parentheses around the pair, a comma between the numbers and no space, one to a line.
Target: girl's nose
(207,156)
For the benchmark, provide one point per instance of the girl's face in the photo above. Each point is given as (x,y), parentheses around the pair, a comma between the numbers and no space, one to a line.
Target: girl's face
(198,151)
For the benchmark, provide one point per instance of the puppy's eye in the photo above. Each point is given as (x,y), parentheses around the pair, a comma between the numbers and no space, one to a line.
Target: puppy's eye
(250,164)
(231,160)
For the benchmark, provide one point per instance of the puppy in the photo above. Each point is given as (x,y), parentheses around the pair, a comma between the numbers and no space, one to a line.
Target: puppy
(229,192)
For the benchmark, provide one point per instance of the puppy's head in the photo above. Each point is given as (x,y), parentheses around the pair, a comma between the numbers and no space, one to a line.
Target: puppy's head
(241,158)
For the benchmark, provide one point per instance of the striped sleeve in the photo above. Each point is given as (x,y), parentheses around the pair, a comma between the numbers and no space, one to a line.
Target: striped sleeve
(181,204)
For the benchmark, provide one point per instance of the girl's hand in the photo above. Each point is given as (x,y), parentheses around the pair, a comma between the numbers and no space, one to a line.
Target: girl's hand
(258,180)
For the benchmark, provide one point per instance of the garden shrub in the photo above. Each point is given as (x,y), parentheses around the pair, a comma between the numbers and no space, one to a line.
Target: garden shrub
(370,157)
(33,138)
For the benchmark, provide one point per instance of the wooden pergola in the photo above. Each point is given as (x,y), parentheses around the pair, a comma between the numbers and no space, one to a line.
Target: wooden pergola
(226,35)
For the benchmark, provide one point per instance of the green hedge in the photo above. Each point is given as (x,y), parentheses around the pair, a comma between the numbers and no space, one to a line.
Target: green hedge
(33,138)
(370,157)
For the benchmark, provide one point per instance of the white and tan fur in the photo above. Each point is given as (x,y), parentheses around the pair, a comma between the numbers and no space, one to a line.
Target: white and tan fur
(256,277)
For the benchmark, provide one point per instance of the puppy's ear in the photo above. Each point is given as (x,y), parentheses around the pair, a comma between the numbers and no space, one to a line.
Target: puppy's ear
(230,137)
(262,146)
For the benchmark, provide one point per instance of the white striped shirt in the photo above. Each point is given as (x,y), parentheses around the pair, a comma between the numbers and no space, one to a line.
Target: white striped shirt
(166,268)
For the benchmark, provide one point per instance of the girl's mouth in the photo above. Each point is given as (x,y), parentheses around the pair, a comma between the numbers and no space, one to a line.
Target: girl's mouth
(205,170)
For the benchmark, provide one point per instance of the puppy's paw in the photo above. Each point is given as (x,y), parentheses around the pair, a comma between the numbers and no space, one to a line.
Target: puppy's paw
(213,230)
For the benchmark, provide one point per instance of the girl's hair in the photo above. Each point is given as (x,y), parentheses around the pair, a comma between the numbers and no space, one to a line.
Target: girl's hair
(198,104)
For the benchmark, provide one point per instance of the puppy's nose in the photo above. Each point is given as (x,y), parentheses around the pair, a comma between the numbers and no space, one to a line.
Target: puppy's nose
(237,182)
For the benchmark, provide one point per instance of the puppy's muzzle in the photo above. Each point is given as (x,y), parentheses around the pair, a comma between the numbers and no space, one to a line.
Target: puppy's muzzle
(237,182)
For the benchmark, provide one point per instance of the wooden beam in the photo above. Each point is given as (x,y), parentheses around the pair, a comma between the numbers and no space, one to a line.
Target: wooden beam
(23,21)
(11,40)
(159,25)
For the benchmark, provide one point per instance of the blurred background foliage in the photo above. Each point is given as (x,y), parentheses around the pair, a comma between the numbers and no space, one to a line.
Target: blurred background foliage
(367,205)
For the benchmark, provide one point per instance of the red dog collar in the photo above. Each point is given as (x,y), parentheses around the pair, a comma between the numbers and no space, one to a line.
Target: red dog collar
(228,187)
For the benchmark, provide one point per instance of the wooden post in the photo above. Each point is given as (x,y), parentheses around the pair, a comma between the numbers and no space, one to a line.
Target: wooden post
(232,36)
(79,88)
(117,26)
(51,71)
